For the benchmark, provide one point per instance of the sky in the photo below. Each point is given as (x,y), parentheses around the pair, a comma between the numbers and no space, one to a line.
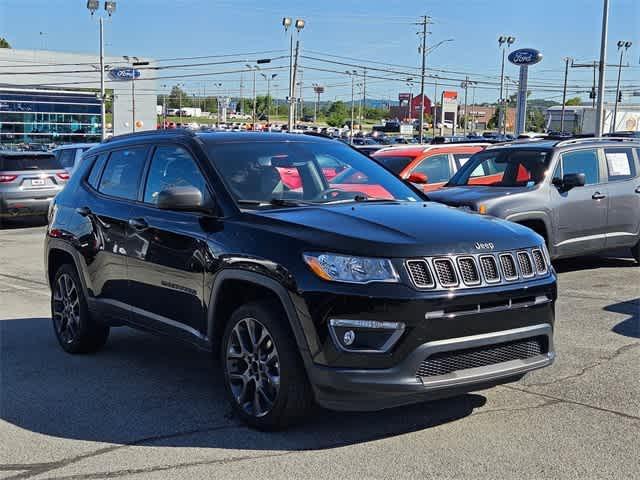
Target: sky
(364,31)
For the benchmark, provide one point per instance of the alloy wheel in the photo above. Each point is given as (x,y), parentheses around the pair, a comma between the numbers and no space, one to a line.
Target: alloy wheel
(66,308)
(253,367)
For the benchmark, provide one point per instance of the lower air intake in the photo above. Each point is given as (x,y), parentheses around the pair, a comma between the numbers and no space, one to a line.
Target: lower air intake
(443,363)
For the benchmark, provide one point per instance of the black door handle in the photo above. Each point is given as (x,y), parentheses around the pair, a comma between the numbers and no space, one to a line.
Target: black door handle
(83,211)
(598,196)
(138,224)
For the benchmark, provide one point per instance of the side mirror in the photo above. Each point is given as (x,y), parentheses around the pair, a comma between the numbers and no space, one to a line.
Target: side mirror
(569,181)
(419,178)
(181,198)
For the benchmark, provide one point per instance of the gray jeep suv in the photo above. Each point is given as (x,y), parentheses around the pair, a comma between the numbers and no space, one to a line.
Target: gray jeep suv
(581,195)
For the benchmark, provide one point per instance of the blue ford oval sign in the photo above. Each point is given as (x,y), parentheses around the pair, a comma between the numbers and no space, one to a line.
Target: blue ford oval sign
(124,73)
(525,56)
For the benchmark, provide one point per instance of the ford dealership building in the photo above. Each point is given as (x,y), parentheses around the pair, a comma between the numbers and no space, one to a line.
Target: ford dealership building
(52,97)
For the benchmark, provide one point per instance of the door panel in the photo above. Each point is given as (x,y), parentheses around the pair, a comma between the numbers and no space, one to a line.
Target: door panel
(580,213)
(167,250)
(623,221)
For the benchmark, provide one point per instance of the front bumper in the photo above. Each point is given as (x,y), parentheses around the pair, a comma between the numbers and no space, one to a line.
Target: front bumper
(375,389)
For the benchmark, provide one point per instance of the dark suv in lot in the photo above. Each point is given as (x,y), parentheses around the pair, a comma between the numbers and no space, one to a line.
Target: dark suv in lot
(312,294)
(581,195)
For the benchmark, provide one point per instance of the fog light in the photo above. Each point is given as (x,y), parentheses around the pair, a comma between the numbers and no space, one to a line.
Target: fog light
(349,337)
(365,336)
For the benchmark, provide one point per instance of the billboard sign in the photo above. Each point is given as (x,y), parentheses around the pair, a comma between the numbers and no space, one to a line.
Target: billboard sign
(404,97)
(525,56)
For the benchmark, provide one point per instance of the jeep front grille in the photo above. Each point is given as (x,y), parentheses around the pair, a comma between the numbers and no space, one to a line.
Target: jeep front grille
(443,363)
(475,270)
(446,272)
(509,271)
(526,268)
(469,271)
(420,273)
(538,260)
(489,269)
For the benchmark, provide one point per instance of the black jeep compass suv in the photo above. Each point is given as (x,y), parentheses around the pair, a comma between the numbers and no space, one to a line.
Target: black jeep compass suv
(319,293)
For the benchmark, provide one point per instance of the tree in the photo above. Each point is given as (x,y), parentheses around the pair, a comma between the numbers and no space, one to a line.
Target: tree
(4,43)
(337,114)
(178,98)
(574,101)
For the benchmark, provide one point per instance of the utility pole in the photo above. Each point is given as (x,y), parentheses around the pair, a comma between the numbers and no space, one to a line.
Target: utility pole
(623,46)
(435,105)
(253,115)
(424,22)
(103,102)
(300,96)
(593,65)
(241,98)
(465,85)
(352,73)
(364,93)
(293,65)
(473,104)
(601,69)
(564,92)
(292,109)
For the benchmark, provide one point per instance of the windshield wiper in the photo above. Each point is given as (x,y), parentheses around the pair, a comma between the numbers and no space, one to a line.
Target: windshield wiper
(276,202)
(363,198)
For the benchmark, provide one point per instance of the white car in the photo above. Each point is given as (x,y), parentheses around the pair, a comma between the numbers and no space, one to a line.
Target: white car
(446,124)
(71,155)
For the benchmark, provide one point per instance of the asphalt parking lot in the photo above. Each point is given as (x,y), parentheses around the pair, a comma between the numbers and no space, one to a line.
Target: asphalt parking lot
(145,407)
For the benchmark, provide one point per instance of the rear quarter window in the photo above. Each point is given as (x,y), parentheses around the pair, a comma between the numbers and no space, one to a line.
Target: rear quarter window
(620,164)
(29,162)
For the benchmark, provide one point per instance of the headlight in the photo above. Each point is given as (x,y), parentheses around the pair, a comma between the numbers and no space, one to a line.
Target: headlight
(344,268)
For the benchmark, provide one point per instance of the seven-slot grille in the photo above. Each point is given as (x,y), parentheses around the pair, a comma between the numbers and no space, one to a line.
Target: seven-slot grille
(526,268)
(469,271)
(443,363)
(508,267)
(538,260)
(490,269)
(446,272)
(420,273)
(472,270)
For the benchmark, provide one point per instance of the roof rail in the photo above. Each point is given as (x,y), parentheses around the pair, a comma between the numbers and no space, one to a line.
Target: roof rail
(146,133)
(574,141)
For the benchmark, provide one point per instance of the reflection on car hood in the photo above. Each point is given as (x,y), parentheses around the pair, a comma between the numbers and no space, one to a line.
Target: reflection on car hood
(472,195)
(393,229)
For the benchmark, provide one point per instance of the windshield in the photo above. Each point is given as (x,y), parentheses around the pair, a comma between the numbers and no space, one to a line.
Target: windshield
(394,163)
(503,168)
(262,173)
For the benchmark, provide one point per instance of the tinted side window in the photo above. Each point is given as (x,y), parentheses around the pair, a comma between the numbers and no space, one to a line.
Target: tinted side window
(461,158)
(172,167)
(620,164)
(436,168)
(121,176)
(582,161)
(67,157)
(96,170)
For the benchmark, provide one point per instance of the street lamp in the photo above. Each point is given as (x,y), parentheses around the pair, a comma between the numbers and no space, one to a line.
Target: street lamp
(254,69)
(623,46)
(268,78)
(293,66)
(504,42)
(110,7)
(318,89)
(352,74)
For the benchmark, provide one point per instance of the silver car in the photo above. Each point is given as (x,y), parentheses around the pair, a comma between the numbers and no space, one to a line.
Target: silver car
(70,156)
(28,182)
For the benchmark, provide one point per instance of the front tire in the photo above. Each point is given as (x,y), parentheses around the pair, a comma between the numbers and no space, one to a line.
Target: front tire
(75,329)
(264,376)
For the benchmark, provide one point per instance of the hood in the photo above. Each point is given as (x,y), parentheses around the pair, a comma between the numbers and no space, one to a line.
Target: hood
(472,196)
(393,229)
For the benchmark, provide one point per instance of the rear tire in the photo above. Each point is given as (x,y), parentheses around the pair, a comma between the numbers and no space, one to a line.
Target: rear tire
(76,330)
(264,376)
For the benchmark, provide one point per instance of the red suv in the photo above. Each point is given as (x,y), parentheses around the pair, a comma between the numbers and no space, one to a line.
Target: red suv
(429,166)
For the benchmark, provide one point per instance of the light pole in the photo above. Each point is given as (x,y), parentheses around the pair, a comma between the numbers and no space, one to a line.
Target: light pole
(602,68)
(410,85)
(135,62)
(164,107)
(110,7)
(435,104)
(299,25)
(465,84)
(268,78)
(352,74)
(564,93)
(623,46)
(504,42)
(254,69)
